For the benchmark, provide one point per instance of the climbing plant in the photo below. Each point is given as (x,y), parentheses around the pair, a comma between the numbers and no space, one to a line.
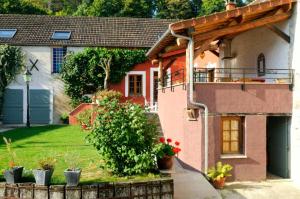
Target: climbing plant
(11,62)
(84,72)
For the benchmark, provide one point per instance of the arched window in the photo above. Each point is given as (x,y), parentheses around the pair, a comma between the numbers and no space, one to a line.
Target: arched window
(261,65)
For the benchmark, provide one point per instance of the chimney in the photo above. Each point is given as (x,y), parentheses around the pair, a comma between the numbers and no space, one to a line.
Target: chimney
(230,5)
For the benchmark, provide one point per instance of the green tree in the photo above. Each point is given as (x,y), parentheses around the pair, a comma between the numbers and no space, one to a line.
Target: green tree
(211,6)
(20,7)
(11,63)
(83,74)
(105,8)
(138,8)
(174,9)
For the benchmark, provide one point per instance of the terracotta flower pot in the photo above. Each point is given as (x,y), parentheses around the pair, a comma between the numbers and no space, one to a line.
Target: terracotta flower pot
(219,184)
(165,163)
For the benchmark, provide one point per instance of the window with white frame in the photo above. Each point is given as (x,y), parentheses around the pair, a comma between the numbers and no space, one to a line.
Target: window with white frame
(58,55)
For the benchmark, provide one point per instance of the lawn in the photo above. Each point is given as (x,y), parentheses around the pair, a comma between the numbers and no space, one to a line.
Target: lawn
(60,142)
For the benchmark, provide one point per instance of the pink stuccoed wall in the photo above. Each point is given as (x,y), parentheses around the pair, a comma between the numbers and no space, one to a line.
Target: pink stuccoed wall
(257,98)
(253,165)
(173,118)
(253,104)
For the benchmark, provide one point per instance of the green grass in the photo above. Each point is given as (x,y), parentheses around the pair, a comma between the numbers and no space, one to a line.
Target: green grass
(35,143)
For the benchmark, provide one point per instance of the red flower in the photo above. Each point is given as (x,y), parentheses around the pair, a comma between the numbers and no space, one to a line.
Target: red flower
(162,140)
(177,143)
(176,150)
(169,140)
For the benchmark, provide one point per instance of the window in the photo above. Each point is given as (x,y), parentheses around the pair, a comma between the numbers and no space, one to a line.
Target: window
(261,65)
(232,135)
(135,85)
(61,35)
(57,59)
(7,33)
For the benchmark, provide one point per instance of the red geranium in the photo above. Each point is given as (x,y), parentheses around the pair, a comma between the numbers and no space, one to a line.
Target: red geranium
(177,143)
(169,140)
(176,150)
(162,140)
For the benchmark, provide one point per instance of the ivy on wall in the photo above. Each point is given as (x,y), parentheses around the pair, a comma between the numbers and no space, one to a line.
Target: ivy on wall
(11,62)
(82,73)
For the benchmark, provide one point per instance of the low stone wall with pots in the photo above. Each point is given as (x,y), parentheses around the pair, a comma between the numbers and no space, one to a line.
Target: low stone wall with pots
(155,189)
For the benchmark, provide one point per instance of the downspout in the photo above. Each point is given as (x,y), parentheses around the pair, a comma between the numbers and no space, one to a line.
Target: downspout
(191,93)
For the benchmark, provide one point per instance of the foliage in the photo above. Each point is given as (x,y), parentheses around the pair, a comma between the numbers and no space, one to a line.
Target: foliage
(11,152)
(174,9)
(64,118)
(83,75)
(165,148)
(11,62)
(20,7)
(72,160)
(219,171)
(47,163)
(124,137)
(117,8)
(108,95)
(85,117)
(212,6)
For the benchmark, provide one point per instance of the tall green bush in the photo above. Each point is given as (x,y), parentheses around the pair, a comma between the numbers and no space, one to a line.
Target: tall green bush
(124,137)
(11,62)
(82,73)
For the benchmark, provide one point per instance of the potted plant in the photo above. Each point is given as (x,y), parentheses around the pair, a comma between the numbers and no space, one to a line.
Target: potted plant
(73,172)
(14,173)
(218,174)
(43,175)
(165,153)
(84,118)
(64,118)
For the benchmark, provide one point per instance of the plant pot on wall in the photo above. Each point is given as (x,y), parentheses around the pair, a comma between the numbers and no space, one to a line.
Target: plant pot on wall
(72,177)
(42,177)
(13,175)
(165,163)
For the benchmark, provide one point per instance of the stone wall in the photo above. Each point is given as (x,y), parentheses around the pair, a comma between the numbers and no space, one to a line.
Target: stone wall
(156,189)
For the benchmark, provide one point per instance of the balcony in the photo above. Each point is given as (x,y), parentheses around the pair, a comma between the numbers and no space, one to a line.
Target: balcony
(240,90)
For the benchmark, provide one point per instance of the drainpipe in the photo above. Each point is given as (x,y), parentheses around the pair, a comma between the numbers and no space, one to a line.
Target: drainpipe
(191,93)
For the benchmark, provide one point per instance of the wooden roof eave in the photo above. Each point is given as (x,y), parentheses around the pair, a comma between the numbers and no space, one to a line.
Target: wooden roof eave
(240,17)
(225,15)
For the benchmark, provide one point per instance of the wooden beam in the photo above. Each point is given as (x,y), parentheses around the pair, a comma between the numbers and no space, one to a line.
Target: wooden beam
(279,33)
(242,27)
(215,53)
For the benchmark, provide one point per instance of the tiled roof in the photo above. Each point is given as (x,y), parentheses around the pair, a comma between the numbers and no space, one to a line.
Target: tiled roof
(36,30)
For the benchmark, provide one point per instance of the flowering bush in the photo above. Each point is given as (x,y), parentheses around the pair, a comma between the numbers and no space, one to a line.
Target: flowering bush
(124,137)
(165,148)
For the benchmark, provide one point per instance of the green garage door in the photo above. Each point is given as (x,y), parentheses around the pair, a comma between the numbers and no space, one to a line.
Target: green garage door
(39,106)
(13,106)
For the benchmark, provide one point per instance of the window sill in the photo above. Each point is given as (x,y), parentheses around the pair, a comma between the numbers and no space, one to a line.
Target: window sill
(234,156)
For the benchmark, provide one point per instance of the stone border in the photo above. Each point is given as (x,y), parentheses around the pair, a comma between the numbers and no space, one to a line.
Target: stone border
(154,189)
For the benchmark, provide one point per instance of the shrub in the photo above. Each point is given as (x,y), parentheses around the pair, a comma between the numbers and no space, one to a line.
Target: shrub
(47,163)
(124,137)
(85,117)
(64,118)
(108,95)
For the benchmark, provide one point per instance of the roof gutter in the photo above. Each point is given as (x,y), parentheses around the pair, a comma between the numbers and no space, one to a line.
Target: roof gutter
(191,93)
